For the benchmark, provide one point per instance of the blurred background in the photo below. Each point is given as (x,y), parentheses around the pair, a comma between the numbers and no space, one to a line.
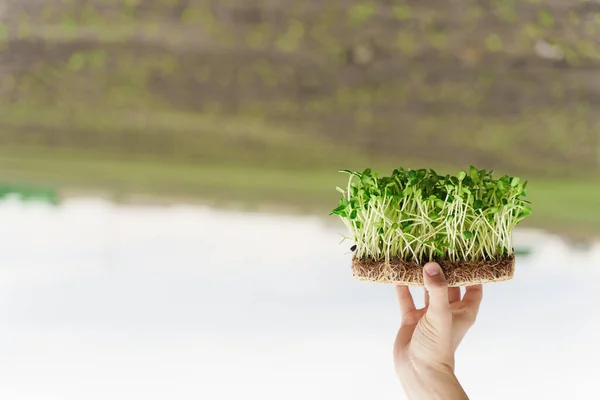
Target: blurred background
(167,168)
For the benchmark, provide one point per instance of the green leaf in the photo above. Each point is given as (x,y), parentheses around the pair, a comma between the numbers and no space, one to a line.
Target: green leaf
(473,173)
(515,181)
(366,181)
(520,188)
(353,214)
(468,234)
(461,175)
(339,189)
(338,209)
(526,211)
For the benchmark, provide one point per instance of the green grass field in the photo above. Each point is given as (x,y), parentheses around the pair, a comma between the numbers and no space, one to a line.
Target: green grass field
(565,206)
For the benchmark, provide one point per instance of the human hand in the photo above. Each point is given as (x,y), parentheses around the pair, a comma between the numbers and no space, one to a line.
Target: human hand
(428,337)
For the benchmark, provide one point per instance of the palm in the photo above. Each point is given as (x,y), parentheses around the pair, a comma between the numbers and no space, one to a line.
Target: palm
(417,335)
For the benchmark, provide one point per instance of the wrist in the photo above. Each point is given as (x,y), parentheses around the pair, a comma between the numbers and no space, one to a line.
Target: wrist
(422,381)
(433,370)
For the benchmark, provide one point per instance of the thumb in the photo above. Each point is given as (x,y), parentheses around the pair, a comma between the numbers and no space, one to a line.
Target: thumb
(437,287)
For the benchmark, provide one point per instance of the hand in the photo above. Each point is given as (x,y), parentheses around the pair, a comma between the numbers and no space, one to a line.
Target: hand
(428,337)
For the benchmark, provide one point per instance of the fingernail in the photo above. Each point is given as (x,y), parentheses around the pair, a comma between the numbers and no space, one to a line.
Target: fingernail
(432,269)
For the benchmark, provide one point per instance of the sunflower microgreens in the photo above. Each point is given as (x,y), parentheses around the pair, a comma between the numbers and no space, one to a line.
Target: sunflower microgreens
(418,215)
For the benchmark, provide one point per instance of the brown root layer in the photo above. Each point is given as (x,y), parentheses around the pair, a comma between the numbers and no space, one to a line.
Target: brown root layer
(460,273)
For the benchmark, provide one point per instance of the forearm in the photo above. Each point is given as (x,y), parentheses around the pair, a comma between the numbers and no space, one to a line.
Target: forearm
(430,384)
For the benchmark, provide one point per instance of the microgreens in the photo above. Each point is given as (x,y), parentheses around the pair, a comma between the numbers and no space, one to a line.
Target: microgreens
(418,215)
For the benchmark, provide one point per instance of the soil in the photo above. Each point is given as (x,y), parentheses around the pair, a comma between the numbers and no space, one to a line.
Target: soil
(461,273)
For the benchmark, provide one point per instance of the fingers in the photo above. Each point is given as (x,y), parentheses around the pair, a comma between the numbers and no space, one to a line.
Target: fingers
(436,285)
(453,294)
(405,299)
(469,307)
(406,330)
(405,333)
(472,297)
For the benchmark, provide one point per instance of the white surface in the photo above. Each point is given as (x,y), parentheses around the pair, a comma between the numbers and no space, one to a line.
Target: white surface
(111,302)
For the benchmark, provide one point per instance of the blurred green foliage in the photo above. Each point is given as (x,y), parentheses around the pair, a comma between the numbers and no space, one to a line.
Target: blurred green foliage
(29,193)
(260,85)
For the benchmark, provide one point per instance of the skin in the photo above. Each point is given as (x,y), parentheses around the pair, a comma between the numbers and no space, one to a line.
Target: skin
(428,337)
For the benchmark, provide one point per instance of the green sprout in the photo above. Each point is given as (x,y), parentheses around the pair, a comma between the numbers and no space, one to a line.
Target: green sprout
(418,215)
